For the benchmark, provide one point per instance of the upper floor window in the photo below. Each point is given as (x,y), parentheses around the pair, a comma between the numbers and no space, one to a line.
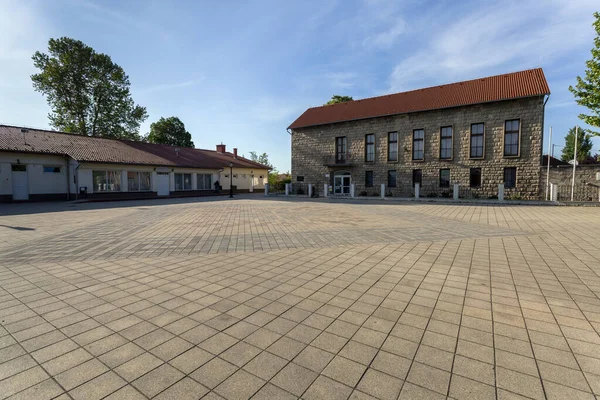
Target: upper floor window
(477,132)
(370,147)
(511,137)
(340,149)
(418,144)
(446,143)
(393,146)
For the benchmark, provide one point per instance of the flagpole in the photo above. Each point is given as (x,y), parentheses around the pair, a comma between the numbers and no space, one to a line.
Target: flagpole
(574,162)
(548,169)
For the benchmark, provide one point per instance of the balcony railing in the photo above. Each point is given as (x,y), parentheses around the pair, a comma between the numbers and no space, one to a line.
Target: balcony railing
(340,160)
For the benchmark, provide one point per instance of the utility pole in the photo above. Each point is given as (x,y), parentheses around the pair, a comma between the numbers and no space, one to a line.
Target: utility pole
(574,163)
(548,169)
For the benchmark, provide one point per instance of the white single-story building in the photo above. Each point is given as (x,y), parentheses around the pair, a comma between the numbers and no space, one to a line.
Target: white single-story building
(47,165)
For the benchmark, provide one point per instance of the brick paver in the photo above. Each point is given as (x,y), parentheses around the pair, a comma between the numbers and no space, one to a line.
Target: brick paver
(263,298)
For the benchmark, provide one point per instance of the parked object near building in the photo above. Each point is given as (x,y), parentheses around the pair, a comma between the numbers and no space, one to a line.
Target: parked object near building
(47,165)
(478,134)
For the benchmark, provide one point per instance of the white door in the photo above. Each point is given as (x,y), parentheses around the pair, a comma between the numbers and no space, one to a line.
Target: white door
(20,184)
(162,183)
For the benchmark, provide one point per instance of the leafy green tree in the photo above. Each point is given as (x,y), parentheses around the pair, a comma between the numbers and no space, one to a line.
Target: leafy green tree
(584,145)
(170,131)
(262,159)
(335,99)
(587,90)
(87,92)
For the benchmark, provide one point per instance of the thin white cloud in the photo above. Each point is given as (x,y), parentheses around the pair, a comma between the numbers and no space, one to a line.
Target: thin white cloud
(342,80)
(498,38)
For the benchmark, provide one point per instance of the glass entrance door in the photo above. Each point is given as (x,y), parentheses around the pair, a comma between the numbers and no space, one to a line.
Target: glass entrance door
(341,185)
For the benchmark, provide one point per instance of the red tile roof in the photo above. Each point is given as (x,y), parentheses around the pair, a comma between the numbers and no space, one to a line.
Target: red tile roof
(515,85)
(101,150)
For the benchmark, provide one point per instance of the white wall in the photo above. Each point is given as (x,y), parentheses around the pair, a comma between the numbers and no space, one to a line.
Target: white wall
(40,182)
(245,178)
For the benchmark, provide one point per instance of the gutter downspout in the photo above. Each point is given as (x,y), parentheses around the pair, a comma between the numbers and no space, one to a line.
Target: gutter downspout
(68,178)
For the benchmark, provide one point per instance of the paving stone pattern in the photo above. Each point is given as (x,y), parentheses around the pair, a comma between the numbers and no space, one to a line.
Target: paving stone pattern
(276,299)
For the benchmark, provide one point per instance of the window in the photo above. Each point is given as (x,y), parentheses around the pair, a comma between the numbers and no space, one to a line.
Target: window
(299,178)
(369,178)
(444,178)
(370,147)
(52,170)
(204,182)
(446,143)
(138,181)
(393,146)
(418,144)
(19,168)
(183,181)
(106,181)
(475,177)
(392,178)
(340,150)
(510,177)
(417,177)
(511,138)
(477,140)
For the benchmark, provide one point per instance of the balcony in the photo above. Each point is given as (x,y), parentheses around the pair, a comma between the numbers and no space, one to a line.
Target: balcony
(346,160)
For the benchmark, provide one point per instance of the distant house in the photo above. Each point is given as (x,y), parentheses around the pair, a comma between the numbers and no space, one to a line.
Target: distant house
(47,165)
(477,133)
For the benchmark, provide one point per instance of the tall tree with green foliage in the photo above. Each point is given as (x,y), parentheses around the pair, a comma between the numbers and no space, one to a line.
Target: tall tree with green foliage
(87,92)
(587,90)
(584,145)
(261,159)
(169,131)
(335,99)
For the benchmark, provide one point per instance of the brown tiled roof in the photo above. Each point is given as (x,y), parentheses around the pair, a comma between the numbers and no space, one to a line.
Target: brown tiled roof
(101,150)
(484,90)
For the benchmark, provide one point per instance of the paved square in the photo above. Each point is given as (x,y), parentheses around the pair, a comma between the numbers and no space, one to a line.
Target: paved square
(281,299)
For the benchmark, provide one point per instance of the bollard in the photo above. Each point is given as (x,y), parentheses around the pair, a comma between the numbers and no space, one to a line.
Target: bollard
(553,192)
(417,190)
(325,190)
(501,192)
(352,190)
(266,189)
(287,189)
(455,192)
(310,189)
(382,191)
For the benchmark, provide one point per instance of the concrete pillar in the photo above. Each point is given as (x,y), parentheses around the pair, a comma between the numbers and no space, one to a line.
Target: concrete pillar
(124,182)
(310,190)
(417,190)
(501,192)
(455,191)
(382,193)
(251,183)
(352,190)
(325,190)
(266,189)
(287,189)
(194,181)
(553,192)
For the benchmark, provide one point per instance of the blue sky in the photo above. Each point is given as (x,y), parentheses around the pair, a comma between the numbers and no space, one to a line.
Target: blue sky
(239,72)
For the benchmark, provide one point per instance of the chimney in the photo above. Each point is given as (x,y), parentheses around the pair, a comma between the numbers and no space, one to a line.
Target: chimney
(234,152)
(221,148)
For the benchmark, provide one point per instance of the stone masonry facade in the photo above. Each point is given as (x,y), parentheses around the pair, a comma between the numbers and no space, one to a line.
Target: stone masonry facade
(313,150)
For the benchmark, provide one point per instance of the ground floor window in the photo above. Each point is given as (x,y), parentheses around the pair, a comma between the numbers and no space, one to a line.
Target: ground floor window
(204,181)
(475,177)
(510,177)
(444,178)
(138,181)
(19,168)
(369,178)
(392,178)
(417,177)
(106,181)
(51,169)
(299,178)
(183,181)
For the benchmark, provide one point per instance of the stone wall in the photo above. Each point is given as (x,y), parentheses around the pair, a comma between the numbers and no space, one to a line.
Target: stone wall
(562,176)
(314,147)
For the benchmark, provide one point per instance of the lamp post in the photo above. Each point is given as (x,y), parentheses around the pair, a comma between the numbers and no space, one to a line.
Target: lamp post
(230,180)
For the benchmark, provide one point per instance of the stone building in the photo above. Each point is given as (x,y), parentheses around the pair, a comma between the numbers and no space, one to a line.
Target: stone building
(476,133)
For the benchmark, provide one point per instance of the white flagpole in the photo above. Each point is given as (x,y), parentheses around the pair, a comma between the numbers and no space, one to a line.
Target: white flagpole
(548,170)
(574,162)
